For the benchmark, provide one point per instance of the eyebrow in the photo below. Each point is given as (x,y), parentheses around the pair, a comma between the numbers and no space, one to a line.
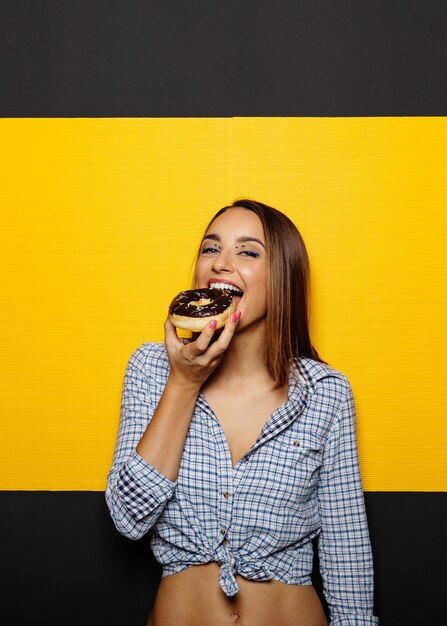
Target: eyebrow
(215,237)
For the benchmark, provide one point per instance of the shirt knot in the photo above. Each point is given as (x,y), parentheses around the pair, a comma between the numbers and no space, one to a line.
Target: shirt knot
(228,569)
(232,565)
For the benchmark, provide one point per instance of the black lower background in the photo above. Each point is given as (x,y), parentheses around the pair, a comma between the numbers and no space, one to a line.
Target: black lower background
(65,564)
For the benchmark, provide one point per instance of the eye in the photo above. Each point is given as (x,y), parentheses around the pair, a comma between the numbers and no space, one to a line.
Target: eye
(205,250)
(250,253)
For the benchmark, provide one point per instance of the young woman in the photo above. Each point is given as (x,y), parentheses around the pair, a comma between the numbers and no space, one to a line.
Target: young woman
(237,448)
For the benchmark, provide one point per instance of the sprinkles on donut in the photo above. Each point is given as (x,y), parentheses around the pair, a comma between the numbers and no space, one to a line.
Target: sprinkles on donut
(193,309)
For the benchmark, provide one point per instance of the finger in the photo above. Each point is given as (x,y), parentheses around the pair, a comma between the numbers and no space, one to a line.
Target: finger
(171,338)
(225,338)
(202,342)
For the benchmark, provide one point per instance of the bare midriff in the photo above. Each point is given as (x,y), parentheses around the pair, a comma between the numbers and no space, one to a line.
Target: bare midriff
(193,597)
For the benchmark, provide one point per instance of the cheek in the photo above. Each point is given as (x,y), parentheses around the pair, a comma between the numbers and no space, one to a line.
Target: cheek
(259,286)
(257,275)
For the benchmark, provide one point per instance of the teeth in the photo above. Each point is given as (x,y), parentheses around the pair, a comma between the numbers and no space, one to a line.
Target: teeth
(224,286)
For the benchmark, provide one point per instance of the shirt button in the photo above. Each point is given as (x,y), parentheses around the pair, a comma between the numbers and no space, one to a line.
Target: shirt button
(226,494)
(296,443)
(223,531)
(245,458)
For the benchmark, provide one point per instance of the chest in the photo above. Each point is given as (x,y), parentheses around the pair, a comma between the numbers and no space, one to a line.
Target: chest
(243,415)
(279,477)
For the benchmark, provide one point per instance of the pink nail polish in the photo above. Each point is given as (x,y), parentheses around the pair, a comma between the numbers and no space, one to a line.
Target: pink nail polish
(213,324)
(238,315)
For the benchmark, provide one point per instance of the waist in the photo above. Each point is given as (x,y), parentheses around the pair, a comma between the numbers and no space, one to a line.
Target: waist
(292,565)
(195,595)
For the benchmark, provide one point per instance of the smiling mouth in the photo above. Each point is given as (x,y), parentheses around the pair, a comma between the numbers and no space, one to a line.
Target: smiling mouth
(234,290)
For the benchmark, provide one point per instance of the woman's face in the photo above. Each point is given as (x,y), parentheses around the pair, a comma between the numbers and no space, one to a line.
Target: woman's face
(233,252)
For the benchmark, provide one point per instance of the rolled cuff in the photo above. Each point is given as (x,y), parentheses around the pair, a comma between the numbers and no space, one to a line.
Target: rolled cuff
(142,487)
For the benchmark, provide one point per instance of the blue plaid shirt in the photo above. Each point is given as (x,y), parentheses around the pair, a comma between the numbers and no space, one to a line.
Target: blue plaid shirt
(299,480)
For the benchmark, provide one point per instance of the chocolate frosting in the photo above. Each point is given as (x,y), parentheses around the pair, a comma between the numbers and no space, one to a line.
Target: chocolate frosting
(220,301)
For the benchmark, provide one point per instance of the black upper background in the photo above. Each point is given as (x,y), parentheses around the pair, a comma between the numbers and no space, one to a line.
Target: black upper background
(208,58)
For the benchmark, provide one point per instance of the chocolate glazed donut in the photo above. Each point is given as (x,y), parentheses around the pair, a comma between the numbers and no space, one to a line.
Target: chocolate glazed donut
(195,308)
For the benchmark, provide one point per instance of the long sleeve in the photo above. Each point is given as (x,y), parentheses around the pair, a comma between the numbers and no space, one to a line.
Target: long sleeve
(136,492)
(344,546)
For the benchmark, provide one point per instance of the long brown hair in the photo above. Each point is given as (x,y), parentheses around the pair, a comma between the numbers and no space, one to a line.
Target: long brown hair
(287,325)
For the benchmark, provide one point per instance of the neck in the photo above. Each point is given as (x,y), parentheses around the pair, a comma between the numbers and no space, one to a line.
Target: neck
(243,361)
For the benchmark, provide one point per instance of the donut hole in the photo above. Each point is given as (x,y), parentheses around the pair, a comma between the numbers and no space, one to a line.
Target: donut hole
(201,302)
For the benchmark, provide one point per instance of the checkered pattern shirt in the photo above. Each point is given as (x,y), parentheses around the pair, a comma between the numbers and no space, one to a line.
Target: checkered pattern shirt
(299,480)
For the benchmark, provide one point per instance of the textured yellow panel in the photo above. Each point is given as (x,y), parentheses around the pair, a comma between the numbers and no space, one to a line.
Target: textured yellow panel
(100,221)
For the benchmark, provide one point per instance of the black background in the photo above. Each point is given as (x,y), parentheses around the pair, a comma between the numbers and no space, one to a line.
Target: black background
(208,58)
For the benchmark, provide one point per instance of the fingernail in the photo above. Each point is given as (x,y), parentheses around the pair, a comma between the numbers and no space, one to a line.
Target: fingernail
(233,317)
(238,315)
(213,324)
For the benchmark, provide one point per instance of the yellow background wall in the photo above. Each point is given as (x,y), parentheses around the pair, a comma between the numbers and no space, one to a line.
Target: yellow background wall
(101,219)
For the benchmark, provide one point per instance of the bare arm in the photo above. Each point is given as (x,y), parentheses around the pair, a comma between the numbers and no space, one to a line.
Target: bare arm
(190,365)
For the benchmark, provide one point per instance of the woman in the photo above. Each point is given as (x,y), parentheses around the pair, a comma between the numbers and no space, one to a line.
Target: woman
(237,448)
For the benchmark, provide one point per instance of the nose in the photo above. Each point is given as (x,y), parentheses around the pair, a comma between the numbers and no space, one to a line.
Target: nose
(222,263)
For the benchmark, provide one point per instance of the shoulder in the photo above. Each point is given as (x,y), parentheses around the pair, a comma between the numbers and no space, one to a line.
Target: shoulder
(314,372)
(149,351)
(328,387)
(150,359)
(325,390)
